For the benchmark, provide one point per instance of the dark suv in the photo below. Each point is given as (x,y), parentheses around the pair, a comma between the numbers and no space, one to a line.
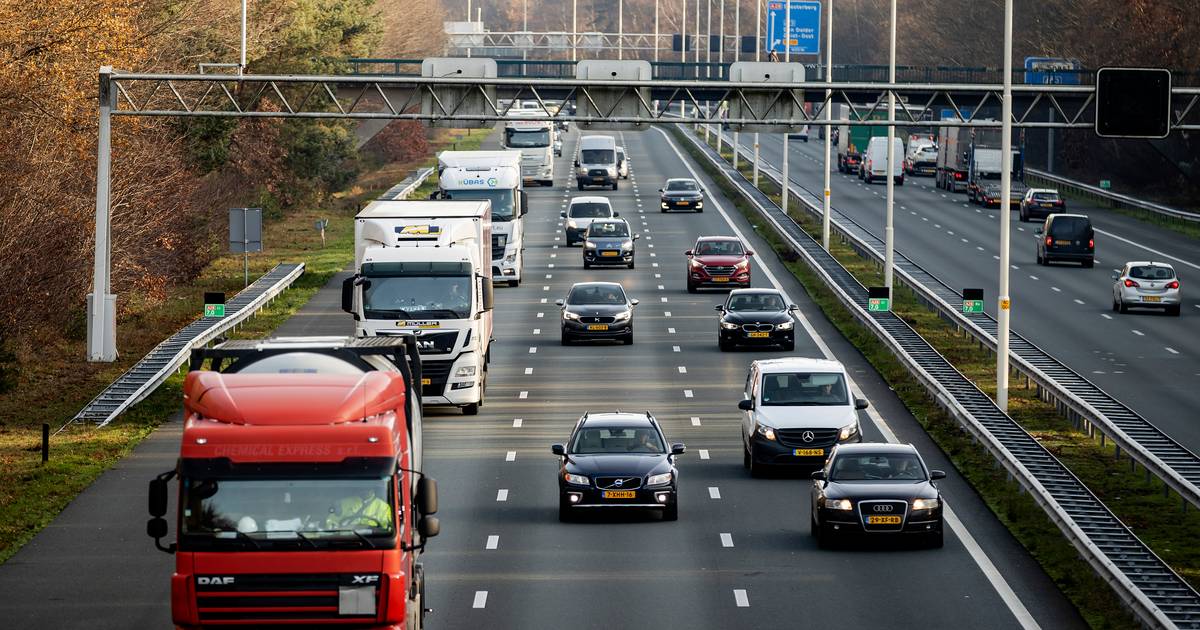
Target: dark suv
(1067,237)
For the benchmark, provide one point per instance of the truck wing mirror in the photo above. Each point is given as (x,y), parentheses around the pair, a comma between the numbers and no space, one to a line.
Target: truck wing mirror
(524,197)
(429,527)
(158,496)
(348,295)
(489,293)
(427,495)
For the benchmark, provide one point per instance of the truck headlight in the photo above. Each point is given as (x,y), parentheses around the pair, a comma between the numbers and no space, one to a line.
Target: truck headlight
(848,431)
(511,258)
(766,432)
(729,326)
(578,480)
(784,326)
(466,370)
(658,480)
(926,504)
(838,504)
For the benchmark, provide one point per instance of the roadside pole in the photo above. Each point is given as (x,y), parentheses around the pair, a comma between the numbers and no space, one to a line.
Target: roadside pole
(828,117)
(787,57)
(757,51)
(737,56)
(1003,311)
(889,231)
(102,304)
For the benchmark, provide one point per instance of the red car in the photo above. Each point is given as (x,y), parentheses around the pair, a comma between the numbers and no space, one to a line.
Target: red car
(718,261)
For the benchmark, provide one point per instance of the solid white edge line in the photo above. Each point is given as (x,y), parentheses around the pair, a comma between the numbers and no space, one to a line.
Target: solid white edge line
(1018,609)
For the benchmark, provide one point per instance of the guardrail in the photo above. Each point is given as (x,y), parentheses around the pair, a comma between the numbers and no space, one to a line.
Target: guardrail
(156,367)
(1146,584)
(1172,463)
(1117,199)
(408,184)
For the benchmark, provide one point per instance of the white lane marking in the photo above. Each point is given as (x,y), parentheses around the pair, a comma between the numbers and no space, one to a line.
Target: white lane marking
(714,492)
(553,256)
(493,542)
(1079,301)
(976,247)
(659,275)
(662,288)
(683,369)
(533,350)
(541,315)
(726,539)
(546,287)
(652,254)
(671,331)
(1153,251)
(653,264)
(663,299)
(740,598)
(651,245)
(502,494)
(924,218)
(674,348)
(537,331)
(517,422)
(480,599)
(1056,289)
(1015,605)
(1172,350)
(950,232)
(703,453)
(510,456)
(937,225)
(1139,333)
(695,421)
(543,301)
(523,395)
(1032,277)
(666,313)
(548,276)
(1105,315)
(551,266)
(995,256)
(687,393)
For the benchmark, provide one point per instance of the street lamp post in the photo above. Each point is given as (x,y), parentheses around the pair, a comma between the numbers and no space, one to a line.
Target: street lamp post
(620,29)
(757,57)
(737,56)
(574,30)
(787,57)
(828,128)
(1004,312)
(655,31)
(888,230)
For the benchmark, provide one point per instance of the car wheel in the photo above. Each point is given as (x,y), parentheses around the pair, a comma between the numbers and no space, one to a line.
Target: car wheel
(628,339)
(1040,261)
(691,287)
(1116,307)
(514,283)
(1173,311)
(1089,263)
(471,409)
(1024,218)
(587,265)
(1122,308)
(671,513)
(616,185)
(564,511)
(724,346)
(790,346)
(579,185)
(631,263)
(814,529)
(901,182)
(756,469)
(699,210)
(566,339)
(745,457)
(825,538)
(936,540)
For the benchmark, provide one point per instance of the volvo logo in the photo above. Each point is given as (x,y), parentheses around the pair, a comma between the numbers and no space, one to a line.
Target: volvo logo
(882,508)
(619,482)
(808,436)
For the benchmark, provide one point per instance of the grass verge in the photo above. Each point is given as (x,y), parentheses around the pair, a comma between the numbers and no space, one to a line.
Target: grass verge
(53,388)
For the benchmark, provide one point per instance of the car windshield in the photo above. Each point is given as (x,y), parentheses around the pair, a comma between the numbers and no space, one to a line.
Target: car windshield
(608,229)
(1045,196)
(682,184)
(261,513)
(802,388)
(597,294)
(597,156)
(864,466)
(502,200)
(1071,228)
(590,210)
(1152,272)
(755,302)
(527,139)
(601,440)
(440,297)
(719,248)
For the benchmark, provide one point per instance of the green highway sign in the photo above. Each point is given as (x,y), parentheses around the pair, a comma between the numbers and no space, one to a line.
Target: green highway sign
(972,306)
(879,305)
(214,304)
(1106,184)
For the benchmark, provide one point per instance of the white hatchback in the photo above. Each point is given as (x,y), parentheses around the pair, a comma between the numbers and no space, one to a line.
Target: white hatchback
(1147,285)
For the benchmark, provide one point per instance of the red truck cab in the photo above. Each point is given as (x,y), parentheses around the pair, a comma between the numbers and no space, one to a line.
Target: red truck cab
(300,500)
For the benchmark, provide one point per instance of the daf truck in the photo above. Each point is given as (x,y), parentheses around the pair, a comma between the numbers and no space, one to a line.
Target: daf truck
(423,267)
(300,499)
(535,140)
(496,177)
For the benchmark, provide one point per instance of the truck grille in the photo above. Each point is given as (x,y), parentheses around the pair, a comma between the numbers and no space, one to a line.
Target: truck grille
(272,597)
(436,373)
(794,438)
(597,172)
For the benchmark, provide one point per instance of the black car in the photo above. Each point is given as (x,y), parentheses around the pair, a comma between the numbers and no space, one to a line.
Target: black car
(1067,237)
(596,310)
(682,194)
(989,195)
(617,460)
(756,317)
(875,490)
(608,242)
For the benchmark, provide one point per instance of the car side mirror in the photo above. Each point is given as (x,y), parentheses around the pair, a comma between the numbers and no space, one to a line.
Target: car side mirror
(637,236)
(616,214)
(427,495)
(558,449)
(562,215)
(1116,276)
(429,527)
(1038,231)
(937,474)
(719,307)
(749,253)
(818,475)
(559,303)
(861,403)
(746,404)
(702,191)
(634,302)
(661,190)
(793,307)
(689,253)
(678,448)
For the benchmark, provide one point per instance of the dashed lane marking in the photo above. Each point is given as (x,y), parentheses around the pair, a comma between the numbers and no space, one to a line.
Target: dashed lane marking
(726,539)
(714,492)
(517,422)
(502,494)
(510,456)
(480,599)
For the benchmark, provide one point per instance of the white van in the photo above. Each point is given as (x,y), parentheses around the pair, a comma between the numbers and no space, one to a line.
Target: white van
(580,214)
(596,162)
(875,161)
(622,164)
(795,410)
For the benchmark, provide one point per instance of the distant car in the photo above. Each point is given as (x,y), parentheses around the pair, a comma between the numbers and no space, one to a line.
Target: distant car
(558,147)
(622,164)
(989,195)
(1147,285)
(1039,203)
(1066,237)
(596,310)
(876,490)
(756,317)
(608,242)
(617,460)
(681,193)
(801,135)
(580,214)
(718,261)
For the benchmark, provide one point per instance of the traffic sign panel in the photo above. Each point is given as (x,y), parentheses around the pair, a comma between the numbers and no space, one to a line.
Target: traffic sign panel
(805,26)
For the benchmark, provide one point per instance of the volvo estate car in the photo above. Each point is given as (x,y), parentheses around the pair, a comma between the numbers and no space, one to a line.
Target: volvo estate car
(718,261)
(617,460)
(596,310)
(876,490)
(681,194)
(1145,284)
(580,214)
(608,242)
(756,317)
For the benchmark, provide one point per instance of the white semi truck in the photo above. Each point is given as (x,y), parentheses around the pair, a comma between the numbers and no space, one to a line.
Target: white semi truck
(422,267)
(495,176)
(535,140)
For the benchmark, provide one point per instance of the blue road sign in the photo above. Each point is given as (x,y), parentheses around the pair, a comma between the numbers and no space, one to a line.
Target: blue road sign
(1051,71)
(948,113)
(806,27)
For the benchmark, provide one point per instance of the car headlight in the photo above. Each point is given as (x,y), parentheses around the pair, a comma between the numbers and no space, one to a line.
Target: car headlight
(838,504)
(729,326)
(622,316)
(925,504)
(570,315)
(699,203)
(466,370)
(696,264)
(658,480)
(766,431)
(589,244)
(571,224)
(784,326)
(744,264)
(848,431)
(578,480)
(627,244)
(663,204)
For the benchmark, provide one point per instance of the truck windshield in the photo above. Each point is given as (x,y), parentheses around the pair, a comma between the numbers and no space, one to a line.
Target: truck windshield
(434,297)
(503,208)
(258,513)
(526,139)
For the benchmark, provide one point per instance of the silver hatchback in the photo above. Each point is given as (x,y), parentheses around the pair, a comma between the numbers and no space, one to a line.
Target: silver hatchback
(1147,285)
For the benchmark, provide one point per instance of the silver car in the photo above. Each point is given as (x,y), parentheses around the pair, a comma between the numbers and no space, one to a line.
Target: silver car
(1147,285)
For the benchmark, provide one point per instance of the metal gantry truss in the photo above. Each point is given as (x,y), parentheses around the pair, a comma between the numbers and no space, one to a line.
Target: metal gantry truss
(560,40)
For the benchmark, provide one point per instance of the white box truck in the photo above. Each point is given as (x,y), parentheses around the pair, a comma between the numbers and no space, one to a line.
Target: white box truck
(422,267)
(495,176)
(535,140)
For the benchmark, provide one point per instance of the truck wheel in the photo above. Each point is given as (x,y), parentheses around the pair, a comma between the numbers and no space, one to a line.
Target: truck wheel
(415,613)
(471,409)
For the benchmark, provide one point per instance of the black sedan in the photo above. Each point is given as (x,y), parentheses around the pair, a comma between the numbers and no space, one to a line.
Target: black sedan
(756,317)
(617,460)
(682,194)
(608,242)
(876,490)
(596,310)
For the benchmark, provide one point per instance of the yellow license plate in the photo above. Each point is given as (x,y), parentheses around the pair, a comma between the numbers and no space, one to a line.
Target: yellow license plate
(682,203)
(1151,298)
(808,452)
(609,253)
(720,279)
(1062,242)
(619,494)
(597,326)
(597,179)
(427,381)
(759,335)
(883,520)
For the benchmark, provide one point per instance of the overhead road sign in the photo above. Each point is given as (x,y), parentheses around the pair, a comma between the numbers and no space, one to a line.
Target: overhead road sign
(1051,71)
(805,36)
(1133,102)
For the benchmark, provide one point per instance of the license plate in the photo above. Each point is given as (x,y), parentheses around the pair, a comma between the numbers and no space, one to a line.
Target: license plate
(619,494)
(883,520)
(808,452)
(597,326)
(427,381)
(683,203)
(608,253)
(759,335)
(597,179)
(721,279)
(1062,242)
(1151,298)
(1047,205)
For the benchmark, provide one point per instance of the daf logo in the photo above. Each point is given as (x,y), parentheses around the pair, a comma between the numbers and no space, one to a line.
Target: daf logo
(364,579)
(808,436)
(214,581)
(882,508)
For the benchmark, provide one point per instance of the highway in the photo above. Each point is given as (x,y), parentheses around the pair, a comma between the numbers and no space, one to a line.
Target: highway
(740,554)
(1145,359)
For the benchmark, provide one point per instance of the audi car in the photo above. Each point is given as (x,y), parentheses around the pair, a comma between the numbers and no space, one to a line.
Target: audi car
(580,214)
(756,317)
(876,490)
(1147,285)
(718,261)
(681,194)
(617,460)
(608,242)
(596,310)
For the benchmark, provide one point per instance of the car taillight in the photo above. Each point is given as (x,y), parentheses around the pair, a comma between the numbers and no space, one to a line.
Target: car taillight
(1058,203)
(1049,241)
(958,176)
(1091,243)
(1174,284)
(1130,283)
